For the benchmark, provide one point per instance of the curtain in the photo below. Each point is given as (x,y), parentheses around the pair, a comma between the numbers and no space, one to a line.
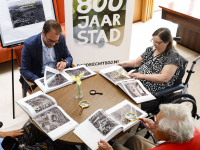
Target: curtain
(147,10)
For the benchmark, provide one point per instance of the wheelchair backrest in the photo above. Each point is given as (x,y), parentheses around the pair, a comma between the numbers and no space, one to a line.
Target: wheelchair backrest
(182,72)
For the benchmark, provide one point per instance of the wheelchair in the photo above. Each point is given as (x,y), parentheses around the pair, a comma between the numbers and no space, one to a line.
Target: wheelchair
(178,93)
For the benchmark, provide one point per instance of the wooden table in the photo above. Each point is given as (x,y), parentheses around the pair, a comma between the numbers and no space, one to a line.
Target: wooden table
(65,98)
(186,13)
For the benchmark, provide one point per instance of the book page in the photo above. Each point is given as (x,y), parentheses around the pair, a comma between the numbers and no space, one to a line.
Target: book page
(37,103)
(55,122)
(136,91)
(75,71)
(53,78)
(119,111)
(115,74)
(98,126)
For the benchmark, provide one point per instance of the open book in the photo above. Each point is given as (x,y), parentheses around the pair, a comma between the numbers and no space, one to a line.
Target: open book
(132,87)
(52,119)
(115,74)
(53,79)
(105,125)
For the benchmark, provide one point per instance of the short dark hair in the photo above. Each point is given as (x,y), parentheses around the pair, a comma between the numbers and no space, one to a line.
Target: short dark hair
(165,35)
(52,24)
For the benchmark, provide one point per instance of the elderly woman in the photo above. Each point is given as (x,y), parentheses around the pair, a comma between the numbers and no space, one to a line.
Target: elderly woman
(173,124)
(159,66)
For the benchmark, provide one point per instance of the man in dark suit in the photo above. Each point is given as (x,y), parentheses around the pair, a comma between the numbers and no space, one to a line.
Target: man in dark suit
(45,49)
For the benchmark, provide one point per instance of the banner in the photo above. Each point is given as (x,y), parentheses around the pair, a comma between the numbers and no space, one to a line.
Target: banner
(98,32)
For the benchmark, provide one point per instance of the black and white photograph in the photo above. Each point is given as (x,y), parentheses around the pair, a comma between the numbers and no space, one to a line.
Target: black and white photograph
(51,119)
(117,75)
(134,89)
(78,71)
(119,114)
(40,103)
(102,122)
(26,12)
(49,74)
(57,80)
(42,81)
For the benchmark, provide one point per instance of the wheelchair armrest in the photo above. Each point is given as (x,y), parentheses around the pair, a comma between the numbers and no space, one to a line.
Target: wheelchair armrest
(169,90)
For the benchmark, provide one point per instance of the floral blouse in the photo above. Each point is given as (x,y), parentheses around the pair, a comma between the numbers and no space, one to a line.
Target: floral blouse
(154,65)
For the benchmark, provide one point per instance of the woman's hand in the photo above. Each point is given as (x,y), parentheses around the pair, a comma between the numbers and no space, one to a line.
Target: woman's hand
(13,133)
(136,75)
(148,123)
(120,64)
(103,145)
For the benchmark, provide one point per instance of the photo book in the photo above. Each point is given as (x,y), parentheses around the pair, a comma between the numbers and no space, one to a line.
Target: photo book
(45,112)
(106,124)
(132,87)
(53,79)
(115,74)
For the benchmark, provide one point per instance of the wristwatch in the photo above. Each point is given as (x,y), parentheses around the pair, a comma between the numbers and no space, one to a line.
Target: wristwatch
(65,61)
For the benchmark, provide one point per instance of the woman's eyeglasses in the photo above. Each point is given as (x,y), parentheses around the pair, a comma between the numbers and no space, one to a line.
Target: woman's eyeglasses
(51,41)
(156,42)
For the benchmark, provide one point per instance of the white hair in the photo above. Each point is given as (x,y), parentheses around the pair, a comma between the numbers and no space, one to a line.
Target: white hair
(177,121)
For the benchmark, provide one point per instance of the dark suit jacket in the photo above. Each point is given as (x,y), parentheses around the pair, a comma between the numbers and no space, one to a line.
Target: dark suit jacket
(31,59)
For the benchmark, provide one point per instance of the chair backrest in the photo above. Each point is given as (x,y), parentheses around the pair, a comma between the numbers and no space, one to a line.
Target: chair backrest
(182,72)
(18,52)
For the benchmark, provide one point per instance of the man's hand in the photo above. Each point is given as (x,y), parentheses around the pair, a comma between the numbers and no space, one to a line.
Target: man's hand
(12,133)
(61,65)
(148,123)
(103,145)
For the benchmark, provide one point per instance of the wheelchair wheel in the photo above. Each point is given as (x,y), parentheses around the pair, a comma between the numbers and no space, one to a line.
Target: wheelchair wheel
(187,100)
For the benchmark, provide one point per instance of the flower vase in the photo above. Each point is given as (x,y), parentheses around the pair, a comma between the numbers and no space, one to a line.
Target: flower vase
(78,92)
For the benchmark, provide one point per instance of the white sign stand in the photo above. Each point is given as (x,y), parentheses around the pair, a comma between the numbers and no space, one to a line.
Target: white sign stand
(98,34)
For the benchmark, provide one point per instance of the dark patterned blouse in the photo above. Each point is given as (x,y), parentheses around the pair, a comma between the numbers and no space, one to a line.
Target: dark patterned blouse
(154,65)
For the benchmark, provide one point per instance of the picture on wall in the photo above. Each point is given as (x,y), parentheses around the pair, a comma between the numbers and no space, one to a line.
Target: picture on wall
(21,19)
(26,12)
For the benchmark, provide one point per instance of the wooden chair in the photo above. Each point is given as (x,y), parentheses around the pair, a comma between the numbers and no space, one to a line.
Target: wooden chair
(32,86)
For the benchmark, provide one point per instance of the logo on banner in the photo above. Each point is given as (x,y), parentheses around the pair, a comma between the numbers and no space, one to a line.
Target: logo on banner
(99,22)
